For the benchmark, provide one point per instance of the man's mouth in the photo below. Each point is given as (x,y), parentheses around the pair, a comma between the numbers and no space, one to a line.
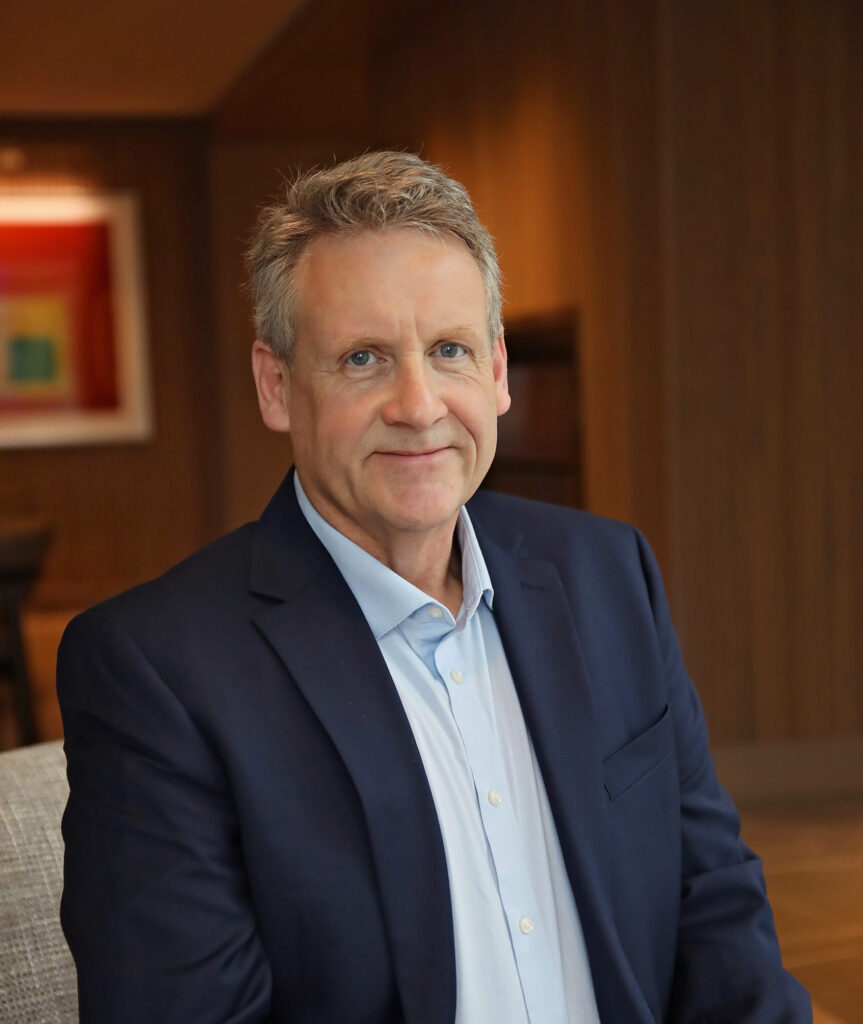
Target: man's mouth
(412,453)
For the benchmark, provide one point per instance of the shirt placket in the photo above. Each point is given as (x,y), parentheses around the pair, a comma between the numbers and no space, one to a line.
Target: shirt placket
(461,667)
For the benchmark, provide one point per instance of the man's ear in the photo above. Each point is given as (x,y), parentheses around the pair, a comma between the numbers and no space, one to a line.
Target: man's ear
(498,369)
(272,379)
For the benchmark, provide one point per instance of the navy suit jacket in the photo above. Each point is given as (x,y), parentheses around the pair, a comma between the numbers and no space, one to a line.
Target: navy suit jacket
(251,836)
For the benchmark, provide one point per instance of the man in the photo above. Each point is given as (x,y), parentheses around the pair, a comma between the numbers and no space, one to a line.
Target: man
(397,751)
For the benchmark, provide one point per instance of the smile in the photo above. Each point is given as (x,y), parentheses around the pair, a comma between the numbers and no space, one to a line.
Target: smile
(426,454)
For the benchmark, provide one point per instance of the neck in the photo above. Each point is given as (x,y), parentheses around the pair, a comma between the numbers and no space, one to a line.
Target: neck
(434,568)
(431,561)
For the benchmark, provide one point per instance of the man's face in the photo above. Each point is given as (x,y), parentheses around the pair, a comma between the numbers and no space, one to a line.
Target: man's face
(393,395)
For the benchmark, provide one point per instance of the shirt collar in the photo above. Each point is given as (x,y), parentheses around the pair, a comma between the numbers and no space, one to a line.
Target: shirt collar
(386,599)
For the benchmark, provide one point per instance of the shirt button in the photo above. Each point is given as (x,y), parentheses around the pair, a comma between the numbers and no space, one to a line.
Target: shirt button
(494,797)
(456,676)
(525,926)
(435,612)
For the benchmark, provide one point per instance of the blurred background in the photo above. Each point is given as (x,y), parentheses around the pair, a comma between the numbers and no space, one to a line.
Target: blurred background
(675,190)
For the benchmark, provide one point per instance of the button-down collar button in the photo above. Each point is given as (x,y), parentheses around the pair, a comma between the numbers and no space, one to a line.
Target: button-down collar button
(456,676)
(435,612)
(494,797)
(525,926)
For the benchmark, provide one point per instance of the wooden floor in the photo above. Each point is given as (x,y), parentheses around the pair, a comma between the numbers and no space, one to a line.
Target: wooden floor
(813,861)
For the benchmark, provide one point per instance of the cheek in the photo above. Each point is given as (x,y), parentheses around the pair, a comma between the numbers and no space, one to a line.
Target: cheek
(342,426)
(478,415)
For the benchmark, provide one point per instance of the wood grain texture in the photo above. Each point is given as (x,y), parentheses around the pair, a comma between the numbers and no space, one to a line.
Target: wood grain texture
(766,442)
(312,80)
(813,865)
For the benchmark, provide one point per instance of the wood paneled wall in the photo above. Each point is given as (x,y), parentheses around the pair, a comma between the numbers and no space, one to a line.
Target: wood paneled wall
(688,176)
(123,513)
(762,118)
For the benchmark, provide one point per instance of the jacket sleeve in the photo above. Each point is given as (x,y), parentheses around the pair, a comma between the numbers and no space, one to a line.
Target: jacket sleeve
(728,965)
(155,907)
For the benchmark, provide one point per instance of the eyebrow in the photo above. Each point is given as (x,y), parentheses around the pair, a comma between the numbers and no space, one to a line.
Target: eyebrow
(457,331)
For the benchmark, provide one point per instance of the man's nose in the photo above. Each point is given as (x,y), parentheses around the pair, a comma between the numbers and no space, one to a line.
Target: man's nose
(414,399)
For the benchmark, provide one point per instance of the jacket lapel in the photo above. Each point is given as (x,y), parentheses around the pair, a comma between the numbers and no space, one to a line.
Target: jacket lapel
(544,654)
(319,632)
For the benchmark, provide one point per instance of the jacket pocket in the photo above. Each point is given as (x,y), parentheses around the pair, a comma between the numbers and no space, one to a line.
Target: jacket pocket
(631,763)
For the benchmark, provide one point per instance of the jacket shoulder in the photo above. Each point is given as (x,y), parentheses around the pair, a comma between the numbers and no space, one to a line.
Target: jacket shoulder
(210,576)
(543,525)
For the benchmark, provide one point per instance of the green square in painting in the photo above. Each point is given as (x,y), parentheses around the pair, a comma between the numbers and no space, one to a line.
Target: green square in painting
(32,360)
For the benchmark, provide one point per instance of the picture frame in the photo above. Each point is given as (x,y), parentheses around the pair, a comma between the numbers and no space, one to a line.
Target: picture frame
(74,367)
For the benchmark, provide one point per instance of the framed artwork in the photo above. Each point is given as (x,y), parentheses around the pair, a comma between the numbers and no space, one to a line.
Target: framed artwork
(73,338)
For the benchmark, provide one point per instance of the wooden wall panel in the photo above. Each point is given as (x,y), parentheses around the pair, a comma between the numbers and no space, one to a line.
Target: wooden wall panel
(764,349)
(625,259)
(122,513)
(726,403)
(312,82)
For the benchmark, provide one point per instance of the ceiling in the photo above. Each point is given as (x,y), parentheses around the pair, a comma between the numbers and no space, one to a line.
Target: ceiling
(130,57)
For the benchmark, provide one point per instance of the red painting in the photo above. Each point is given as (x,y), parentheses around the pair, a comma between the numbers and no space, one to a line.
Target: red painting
(58,344)
(72,352)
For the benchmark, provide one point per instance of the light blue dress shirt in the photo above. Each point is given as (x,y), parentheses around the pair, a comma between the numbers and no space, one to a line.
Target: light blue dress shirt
(519,948)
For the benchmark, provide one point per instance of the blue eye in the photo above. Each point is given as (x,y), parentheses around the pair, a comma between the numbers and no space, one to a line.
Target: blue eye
(361,358)
(451,350)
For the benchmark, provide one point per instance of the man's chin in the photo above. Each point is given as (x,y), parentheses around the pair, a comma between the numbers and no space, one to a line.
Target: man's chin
(421,510)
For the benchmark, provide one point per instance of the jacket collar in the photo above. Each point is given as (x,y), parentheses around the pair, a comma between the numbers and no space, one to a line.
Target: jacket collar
(542,646)
(317,629)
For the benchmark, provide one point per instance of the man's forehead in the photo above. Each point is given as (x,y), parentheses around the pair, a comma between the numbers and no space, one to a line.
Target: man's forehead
(329,244)
(372,278)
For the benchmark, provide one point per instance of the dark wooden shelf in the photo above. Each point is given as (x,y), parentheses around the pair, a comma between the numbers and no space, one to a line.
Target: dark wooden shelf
(539,439)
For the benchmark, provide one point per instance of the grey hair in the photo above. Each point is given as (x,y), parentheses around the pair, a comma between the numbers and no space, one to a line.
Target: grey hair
(374,191)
